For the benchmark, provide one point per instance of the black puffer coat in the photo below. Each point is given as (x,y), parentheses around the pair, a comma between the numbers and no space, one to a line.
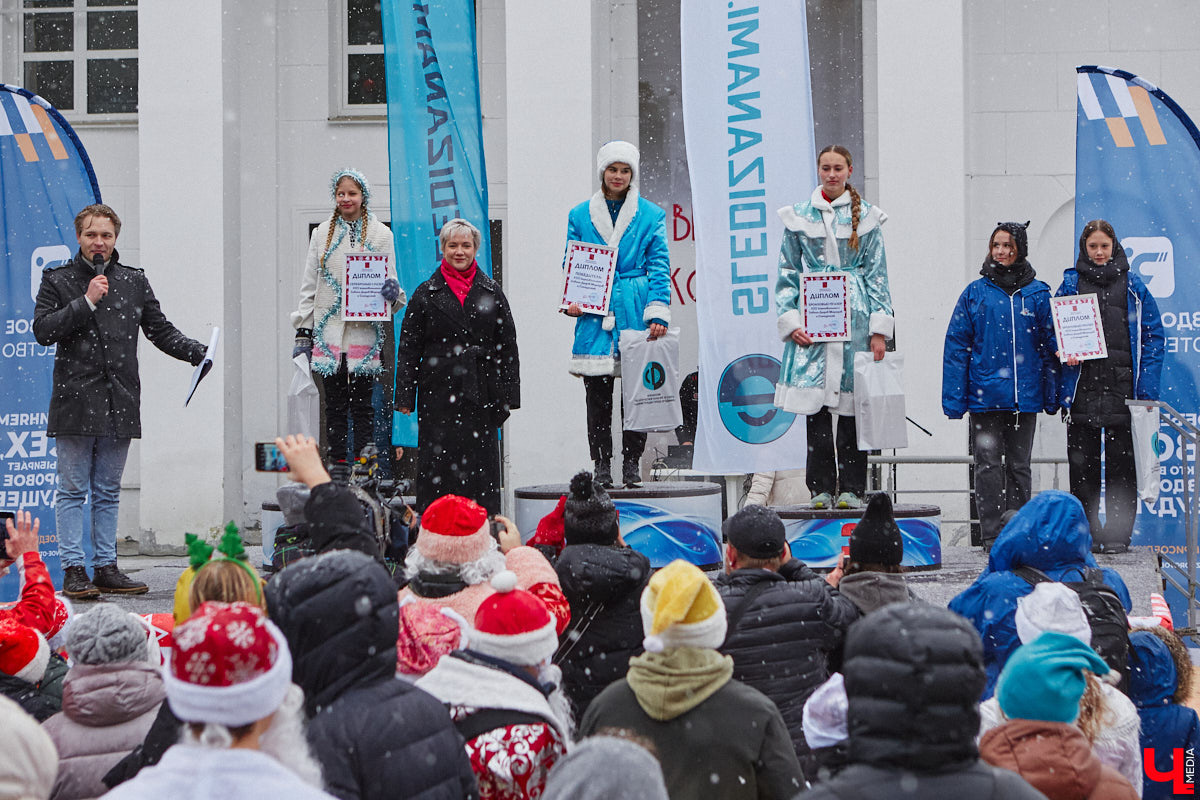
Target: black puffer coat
(914,675)
(781,641)
(1105,383)
(97,390)
(375,736)
(603,585)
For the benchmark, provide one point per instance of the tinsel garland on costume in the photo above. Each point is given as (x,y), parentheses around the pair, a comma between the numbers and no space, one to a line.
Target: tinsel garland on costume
(326,365)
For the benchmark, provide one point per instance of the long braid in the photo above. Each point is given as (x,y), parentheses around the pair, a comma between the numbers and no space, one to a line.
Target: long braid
(363,233)
(329,238)
(855,198)
(855,213)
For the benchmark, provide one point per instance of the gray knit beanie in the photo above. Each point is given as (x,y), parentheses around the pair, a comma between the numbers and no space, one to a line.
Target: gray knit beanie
(106,635)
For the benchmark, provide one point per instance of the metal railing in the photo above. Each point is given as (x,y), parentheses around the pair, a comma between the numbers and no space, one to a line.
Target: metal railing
(1191,509)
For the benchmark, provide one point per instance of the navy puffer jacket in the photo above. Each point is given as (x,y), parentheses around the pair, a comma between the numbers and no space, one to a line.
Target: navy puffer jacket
(375,736)
(781,643)
(603,585)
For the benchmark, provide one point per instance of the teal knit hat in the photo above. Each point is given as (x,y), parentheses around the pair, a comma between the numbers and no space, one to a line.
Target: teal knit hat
(1044,680)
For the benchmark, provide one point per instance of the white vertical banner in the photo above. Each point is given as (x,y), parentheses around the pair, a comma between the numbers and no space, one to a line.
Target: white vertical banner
(747,113)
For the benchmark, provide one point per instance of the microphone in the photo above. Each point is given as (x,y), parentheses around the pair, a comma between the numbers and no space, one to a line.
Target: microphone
(98,263)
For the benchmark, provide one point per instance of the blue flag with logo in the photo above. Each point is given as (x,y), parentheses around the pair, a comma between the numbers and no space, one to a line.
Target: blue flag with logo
(435,141)
(1137,165)
(45,179)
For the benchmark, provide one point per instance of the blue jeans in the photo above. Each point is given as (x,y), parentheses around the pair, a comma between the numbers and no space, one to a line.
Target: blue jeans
(86,463)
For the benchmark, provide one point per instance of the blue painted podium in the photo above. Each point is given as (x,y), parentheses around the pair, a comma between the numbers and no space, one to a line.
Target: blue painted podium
(818,536)
(664,520)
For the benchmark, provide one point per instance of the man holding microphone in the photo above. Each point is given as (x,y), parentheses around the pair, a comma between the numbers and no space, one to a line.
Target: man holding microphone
(91,308)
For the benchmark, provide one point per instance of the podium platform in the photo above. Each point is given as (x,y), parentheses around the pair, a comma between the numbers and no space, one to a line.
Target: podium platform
(818,536)
(664,520)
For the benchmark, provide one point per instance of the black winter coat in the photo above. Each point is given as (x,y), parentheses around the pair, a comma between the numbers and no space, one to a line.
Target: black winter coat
(603,584)
(781,642)
(97,390)
(914,674)
(375,736)
(457,365)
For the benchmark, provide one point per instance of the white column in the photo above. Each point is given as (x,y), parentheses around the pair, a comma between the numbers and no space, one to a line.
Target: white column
(551,155)
(922,187)
(183,232)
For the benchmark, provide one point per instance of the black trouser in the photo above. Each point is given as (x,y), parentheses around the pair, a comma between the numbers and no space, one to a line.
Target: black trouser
(1120,479)
(598,391)
(849,472)
(348,396)
(1002,442)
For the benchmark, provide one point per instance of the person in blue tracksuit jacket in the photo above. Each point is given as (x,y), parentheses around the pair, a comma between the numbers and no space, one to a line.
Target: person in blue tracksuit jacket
(1050,533)
(999,365)
(1093,392)
(619,217)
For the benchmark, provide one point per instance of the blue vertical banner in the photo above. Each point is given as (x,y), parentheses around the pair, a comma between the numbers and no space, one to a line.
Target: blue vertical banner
(435,141)
(1137,165)
(45,179)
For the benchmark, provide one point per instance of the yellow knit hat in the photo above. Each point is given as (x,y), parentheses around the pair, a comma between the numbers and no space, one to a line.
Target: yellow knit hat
(681,608)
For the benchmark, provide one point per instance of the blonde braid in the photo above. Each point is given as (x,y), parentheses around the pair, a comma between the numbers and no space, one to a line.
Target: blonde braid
(329,238)
(363,233)
(855,213)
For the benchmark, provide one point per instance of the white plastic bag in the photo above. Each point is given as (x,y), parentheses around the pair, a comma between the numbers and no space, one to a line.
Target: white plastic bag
(303,401)
(650,381)
(1145,453)
(879,411)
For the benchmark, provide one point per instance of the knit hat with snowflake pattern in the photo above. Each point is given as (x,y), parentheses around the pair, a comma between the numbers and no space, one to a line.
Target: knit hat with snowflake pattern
(231,666)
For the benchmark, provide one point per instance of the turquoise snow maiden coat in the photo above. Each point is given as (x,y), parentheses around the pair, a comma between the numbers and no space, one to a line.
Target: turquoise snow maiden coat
(817,239)
(641,291)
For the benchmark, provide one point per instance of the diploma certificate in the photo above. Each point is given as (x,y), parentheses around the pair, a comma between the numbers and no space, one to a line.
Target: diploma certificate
(589,277)
(826,307)
(365,274)
(1077,327)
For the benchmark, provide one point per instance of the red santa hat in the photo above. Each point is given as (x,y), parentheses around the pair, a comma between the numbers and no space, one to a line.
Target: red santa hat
(60,623)
(454,530)
(513,625)
(24,653)
(230,665)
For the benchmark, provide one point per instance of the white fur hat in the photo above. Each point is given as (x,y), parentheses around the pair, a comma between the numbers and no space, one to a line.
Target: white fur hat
(616,152)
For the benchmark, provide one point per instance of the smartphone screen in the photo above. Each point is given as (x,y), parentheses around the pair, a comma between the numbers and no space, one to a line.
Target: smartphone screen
(267,458)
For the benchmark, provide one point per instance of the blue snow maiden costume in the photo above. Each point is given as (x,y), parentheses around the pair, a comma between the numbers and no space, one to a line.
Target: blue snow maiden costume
(1167,724)
(1049,533)
(641,291)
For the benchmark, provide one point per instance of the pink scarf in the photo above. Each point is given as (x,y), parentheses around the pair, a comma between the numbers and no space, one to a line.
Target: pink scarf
(459,282)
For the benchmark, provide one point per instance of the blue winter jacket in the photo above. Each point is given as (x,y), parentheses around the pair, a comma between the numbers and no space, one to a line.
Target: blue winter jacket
(999,352)
(642,287)
(1146,341)
(1165,725)
(1051,533)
